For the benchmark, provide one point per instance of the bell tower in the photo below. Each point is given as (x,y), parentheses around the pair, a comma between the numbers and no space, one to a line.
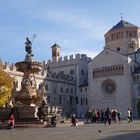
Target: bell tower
(55,52)
(123,38)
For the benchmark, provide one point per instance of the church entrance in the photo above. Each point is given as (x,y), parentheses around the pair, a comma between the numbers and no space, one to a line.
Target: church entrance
(138,108)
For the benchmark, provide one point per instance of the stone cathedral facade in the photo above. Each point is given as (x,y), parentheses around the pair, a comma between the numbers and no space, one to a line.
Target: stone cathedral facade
(113,75)
(111,79)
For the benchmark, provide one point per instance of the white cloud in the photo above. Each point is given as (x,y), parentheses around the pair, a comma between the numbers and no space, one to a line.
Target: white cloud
(85,28)
(91,25)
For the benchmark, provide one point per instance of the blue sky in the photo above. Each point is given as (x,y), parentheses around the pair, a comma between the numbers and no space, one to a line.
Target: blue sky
(78,26)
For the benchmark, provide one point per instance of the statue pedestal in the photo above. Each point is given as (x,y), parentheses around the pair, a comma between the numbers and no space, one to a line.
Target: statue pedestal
(26,112)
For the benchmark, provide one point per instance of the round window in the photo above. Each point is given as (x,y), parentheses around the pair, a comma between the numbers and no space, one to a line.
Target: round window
(109,86)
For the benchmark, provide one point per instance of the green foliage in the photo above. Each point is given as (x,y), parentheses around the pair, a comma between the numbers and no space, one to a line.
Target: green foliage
(6,83)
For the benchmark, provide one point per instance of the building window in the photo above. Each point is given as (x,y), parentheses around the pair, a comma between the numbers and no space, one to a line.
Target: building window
(134,78)
(85,89)
(70,99)
(131,45)
(85,81)
(81,101)
(138,88)
(137,77)
(109,86)
(48,99)
(81,89)
(46,87)
(60,100)
(71,90)
(61,89)
(82,72)
(67,90)
(77,100)
(71,71)
(53,54)
(118,49)
(61,72)
(72,78)
(86,101)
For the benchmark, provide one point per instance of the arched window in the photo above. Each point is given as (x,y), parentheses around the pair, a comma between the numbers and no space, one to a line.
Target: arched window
(135,34)
(117,35)
(130,34)
(127,34)
(118,49)
(121,34)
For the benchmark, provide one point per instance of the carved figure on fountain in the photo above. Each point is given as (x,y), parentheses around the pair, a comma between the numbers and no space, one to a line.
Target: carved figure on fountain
(29,99)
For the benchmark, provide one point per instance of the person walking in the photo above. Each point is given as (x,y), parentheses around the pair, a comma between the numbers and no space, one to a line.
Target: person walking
(119,116)
(93,116)
(108,116)
(129,115)
(88,116)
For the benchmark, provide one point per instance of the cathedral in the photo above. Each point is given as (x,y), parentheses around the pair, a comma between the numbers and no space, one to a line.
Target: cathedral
(111,79)
(113,75)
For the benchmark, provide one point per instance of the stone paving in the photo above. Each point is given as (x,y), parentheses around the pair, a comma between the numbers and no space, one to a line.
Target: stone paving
(123,131)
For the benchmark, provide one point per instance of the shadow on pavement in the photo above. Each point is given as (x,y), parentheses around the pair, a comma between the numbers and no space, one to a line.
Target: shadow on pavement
(135,135)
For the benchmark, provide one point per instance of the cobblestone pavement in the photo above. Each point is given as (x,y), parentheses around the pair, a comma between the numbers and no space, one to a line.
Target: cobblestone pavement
(123,131)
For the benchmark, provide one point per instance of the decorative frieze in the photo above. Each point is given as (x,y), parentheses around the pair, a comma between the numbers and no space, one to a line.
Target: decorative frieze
(108,71)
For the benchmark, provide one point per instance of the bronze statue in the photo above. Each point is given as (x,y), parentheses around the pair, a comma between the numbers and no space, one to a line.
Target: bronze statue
(28,45)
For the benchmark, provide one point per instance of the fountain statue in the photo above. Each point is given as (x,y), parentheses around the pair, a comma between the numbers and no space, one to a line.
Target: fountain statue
(28,93)
(29,101)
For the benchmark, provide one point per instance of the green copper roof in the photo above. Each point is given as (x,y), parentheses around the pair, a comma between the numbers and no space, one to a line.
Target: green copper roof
(55,46)
(123,24)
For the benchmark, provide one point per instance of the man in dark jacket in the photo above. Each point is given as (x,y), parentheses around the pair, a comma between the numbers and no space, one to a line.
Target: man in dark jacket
(108,116)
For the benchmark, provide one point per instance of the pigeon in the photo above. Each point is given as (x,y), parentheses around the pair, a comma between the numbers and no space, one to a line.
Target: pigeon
(99,131)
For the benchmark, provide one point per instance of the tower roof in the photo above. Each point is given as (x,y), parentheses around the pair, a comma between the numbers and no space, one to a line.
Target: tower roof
(55,46)
(123,24)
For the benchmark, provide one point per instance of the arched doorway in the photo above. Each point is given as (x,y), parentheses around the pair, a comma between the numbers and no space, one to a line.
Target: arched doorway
(138,108)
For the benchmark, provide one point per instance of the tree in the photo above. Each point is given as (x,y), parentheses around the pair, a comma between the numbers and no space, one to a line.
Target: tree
(6,83)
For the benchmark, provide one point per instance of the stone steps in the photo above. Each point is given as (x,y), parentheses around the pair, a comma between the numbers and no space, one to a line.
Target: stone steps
(38,124)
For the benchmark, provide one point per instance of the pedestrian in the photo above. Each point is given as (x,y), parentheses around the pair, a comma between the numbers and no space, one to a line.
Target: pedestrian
(73,120)
(88,116)
(102,116)
(108,116)
(53,121)
(114,114)
(129,115)
(119,116)
(93,116)
(98,116)
(11,121)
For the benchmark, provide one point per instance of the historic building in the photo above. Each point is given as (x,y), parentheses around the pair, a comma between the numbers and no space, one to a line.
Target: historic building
(61,91)
(114,73)
(111,79)
(72,90)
